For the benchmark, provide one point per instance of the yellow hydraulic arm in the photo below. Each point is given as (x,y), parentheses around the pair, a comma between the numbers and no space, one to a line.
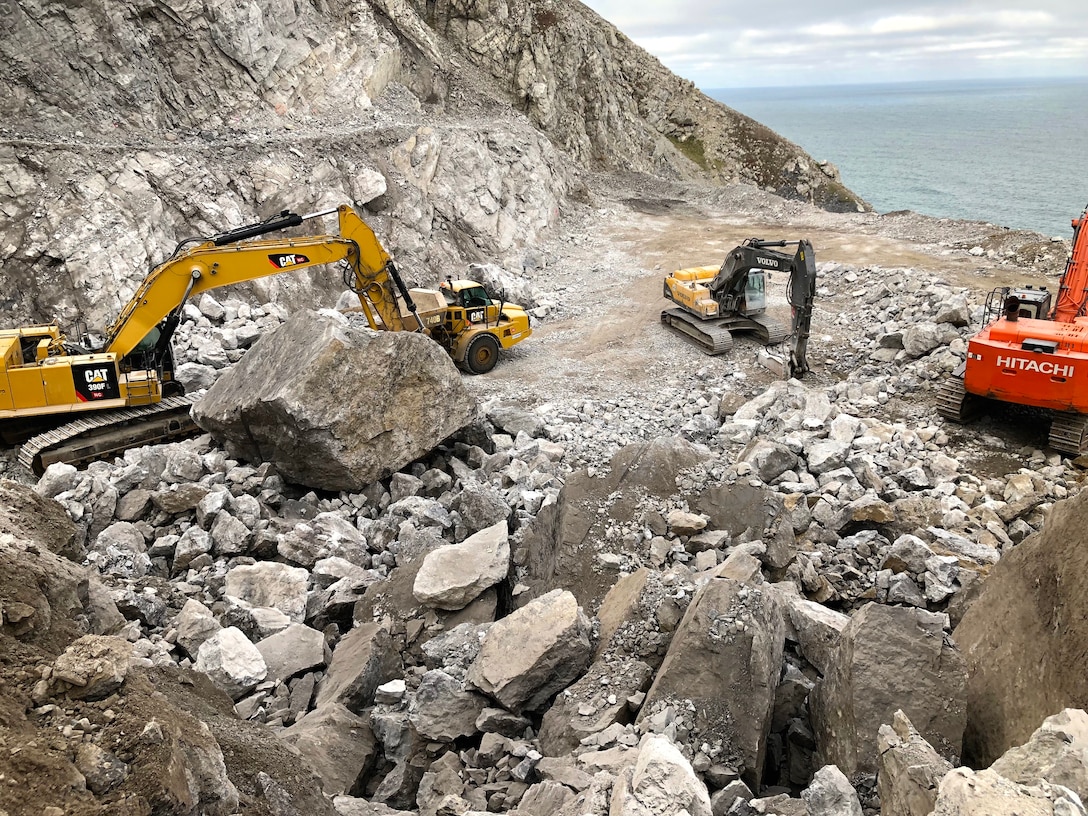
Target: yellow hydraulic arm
(228,258)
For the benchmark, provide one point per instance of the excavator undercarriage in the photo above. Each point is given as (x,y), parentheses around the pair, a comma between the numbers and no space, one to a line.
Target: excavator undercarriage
(715,337)
(101,435)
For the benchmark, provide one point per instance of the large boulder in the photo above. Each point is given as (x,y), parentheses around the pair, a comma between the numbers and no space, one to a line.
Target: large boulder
(456,574)
(335,406)
(1032,665)
(362,660)
(725,658)
(563,545)
(890,658)
(338,745)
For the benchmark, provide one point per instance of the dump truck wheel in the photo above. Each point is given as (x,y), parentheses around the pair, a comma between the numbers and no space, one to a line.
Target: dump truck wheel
(483,353)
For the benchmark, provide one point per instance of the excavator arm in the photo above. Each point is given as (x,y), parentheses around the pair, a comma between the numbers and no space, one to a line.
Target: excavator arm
(801,293)
(735,270)
(230,258)
(1072,299)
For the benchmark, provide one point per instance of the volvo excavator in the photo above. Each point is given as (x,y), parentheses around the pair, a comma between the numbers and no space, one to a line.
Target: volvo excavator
(69,402)
(713,302)
(1032,352)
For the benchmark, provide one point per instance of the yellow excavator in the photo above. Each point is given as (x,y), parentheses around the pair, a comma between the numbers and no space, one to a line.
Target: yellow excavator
(124,394)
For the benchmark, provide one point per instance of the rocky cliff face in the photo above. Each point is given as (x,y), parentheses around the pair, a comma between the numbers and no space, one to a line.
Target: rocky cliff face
(462,128)
(609,103)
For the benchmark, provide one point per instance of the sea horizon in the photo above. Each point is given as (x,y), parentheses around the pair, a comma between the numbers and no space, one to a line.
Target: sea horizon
(1004,151)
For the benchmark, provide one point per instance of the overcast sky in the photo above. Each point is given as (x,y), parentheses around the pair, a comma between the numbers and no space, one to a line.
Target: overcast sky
(741,43)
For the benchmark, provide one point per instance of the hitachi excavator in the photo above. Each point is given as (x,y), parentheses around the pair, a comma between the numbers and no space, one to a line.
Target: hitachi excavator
(713,302)
(123,393)
(1028,353)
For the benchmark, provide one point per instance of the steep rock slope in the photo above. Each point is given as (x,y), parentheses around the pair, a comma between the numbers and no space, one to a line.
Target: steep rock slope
(608,102)
(128,127)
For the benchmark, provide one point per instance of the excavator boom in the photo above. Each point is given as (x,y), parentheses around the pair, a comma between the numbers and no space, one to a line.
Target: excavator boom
(1073,290)
(224,260)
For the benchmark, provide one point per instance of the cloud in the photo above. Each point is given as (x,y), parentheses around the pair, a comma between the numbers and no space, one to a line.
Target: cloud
(720,43)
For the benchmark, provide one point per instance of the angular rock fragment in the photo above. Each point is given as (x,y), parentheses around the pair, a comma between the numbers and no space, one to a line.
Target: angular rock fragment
(726,658)
(338,745)
(910,770)
(443,709)
(890,658)
(270,584)
(454,575)
(661,781)
(93,667)
(231,661)
(533,653)
(362,660)
(292,651)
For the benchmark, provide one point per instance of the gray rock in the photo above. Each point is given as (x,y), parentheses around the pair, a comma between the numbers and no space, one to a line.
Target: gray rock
(293,651)
(910,770)
(891,658)
(231,661)
(270,584)
(443,709)
(329,437)
(195,624)
(769,459)
(454,575)
(327,535)
(102,770)
(831,794)
(362,660)
(725,658)
(533,653)
(661,781)
(481,506)
(816,628)
(336,744)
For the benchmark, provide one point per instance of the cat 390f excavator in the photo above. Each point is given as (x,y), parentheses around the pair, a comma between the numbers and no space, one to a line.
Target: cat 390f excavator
(123,393)
(1028,353)
(716,301)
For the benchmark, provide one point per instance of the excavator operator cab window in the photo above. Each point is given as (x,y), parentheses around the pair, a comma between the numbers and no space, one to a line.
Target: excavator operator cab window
(755,290)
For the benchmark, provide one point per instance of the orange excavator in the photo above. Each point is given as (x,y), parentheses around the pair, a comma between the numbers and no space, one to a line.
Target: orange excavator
(1029,353)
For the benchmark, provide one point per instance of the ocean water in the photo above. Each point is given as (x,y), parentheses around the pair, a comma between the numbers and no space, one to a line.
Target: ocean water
(1010,152)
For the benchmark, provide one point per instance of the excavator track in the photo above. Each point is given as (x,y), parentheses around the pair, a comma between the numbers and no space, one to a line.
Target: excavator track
(711,338)
(769,332)
(110,432)
(1068,432)
(955,404)
(716,336)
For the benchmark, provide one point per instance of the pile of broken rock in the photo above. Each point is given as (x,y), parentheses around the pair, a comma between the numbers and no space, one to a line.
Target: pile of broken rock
(761,628)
